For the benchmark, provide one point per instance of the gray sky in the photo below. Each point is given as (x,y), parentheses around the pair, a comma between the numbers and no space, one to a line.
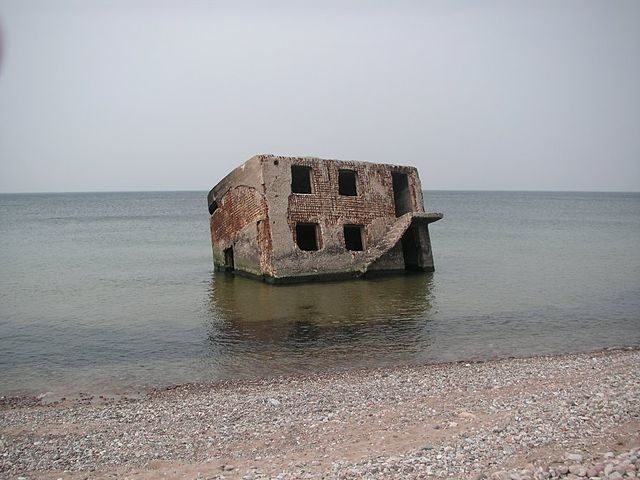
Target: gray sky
(158,95)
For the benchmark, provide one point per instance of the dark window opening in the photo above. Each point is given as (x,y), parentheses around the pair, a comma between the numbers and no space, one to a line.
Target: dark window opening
(307,236)
(300,179)
(347,183)
(353,238)
(411,250)
(401,194)
(229,265)
(213,207)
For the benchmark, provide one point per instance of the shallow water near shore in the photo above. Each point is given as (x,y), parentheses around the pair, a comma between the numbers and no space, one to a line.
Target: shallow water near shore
(112,291)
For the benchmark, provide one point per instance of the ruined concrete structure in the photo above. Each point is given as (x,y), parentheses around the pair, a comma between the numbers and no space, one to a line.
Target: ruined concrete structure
(301,218)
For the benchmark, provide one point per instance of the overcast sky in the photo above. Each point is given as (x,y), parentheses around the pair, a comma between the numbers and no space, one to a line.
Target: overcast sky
(158,95)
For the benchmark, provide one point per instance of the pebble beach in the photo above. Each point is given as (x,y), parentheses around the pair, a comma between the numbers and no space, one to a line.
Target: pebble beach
(567,416)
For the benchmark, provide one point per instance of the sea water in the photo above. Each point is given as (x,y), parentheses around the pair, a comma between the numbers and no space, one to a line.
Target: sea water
(107,292)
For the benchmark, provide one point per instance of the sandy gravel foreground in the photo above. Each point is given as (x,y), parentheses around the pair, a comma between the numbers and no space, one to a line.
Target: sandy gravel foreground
(571,416)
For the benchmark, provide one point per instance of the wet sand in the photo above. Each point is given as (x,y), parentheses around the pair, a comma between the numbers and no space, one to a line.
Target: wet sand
(524,418)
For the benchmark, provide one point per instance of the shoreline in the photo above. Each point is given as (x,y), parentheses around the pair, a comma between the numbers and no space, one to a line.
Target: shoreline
(461,419)
(102,396)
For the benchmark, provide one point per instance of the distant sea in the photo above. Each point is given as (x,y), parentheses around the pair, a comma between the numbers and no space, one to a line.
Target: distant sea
(108,292)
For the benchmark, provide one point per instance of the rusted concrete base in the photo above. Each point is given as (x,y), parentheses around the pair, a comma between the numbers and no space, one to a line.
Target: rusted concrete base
(323,277)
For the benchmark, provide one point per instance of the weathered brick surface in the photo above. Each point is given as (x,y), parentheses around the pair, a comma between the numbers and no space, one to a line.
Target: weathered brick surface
(266,246)
(239,207)
(325,206)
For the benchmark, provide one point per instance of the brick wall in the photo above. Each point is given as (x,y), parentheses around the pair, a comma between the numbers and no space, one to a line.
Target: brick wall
(326,207)
(235,220)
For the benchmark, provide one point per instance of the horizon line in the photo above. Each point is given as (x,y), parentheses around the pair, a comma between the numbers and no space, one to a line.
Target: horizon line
(424,190)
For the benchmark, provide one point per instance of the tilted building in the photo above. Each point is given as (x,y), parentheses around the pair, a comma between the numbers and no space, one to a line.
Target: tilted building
(301,218)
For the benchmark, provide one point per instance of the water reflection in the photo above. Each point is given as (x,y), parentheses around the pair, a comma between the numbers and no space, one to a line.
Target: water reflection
(285,328)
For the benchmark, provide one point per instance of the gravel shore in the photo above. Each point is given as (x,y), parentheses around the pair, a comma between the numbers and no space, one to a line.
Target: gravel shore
(570,416)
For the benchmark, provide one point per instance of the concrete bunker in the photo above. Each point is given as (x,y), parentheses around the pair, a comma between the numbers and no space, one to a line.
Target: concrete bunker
(286,219)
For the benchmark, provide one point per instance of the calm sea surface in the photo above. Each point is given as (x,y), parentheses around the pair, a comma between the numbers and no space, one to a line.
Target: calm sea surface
(112,291)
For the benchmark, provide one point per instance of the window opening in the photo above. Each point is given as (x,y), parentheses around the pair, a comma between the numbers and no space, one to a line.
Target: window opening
(300,179)
(401,194)
(353,238)
(411,250)
(229,265)
(347,183)
(307,236)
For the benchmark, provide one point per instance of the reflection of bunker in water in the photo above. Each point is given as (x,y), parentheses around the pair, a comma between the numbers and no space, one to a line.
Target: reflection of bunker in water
(392,307)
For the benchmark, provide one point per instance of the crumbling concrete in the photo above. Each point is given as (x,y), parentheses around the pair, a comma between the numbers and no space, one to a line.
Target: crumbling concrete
(301,218)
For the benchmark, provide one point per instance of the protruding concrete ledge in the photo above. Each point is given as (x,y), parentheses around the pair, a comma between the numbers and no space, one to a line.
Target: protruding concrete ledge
(428,217)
